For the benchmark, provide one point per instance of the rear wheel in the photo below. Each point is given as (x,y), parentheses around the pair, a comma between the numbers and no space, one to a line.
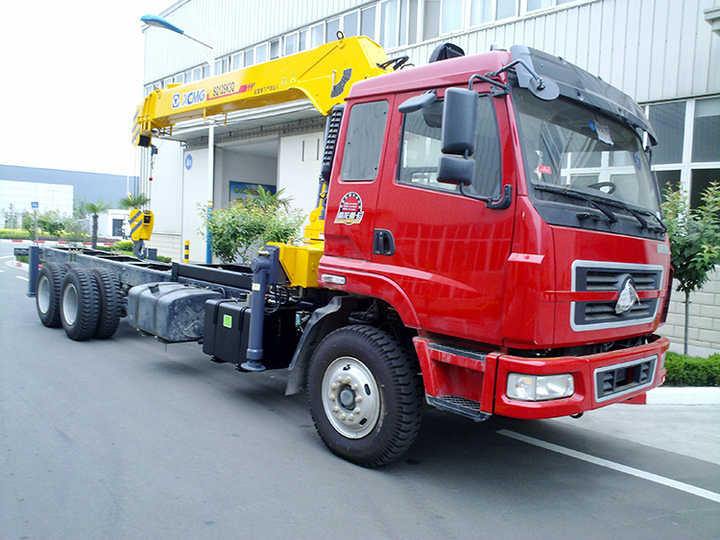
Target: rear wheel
(365,395)
(47,299)
(79,304)
(110,303)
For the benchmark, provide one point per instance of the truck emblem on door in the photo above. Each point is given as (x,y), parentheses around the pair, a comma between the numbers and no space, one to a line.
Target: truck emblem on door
(627,298)
(350,210)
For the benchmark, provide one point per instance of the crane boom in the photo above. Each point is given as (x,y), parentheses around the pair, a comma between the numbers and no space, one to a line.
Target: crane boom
(324,75)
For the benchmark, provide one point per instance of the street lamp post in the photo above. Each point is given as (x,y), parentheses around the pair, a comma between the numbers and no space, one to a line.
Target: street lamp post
(159,22)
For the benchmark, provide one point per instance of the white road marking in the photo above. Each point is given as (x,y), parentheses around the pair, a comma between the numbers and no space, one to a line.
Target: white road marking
(22,277)
(682,486)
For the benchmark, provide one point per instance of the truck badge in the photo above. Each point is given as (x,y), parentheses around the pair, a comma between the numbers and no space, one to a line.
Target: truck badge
(350,210)
(627,298)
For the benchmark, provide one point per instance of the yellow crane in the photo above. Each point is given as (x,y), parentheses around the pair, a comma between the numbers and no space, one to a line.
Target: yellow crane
(323,75)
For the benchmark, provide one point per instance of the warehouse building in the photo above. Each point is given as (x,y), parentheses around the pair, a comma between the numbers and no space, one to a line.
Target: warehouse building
(664,53)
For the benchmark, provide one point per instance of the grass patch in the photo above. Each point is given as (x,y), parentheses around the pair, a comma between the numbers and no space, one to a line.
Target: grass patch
(691,370)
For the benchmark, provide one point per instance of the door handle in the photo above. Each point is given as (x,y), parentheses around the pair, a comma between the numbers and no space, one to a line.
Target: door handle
(383,242)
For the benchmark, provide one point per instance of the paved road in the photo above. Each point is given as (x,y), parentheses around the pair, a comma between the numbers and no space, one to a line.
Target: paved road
(124,439)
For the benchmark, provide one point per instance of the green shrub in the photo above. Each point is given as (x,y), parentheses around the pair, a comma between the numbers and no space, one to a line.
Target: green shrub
(122,245)
(692,371)
(16,234)
(22,258)
(248,224)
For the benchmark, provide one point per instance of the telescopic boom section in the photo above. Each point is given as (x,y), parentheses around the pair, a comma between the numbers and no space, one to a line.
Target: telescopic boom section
(323,75)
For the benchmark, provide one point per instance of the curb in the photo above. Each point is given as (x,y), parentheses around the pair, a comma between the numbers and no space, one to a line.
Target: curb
(684,395)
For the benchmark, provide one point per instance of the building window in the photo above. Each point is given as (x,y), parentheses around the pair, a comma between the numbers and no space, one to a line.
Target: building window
(431,18)
(205,71)
(532,5)
(237,61)
(701,179)
(302,40)
(290,44)
(197,73)
(412,21)
(179,78)
(316,35)
(261,53)
(248,57)
(505,9)
(480,11)
(367,22)
(706,127)
(350,24)
(688,152)
(389,23)
(274,49)
(668,119)
(364,141)
(331,29)
(452,15)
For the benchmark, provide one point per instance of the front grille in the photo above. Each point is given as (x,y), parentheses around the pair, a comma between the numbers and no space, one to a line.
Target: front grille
(604,312)
(596,276)
(614,381)
(605,279)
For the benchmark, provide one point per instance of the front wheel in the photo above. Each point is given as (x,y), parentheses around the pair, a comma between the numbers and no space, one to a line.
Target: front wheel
(365,395)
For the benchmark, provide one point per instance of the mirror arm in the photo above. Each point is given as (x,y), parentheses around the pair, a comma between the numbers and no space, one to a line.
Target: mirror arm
(494,204)
(538,78)
(485,78)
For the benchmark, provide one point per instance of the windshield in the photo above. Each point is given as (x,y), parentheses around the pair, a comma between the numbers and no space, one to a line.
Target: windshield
(572,147)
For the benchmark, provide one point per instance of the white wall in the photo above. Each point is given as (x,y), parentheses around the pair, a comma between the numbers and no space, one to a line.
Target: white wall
(57,197)
(165,192)
(298,173)
(196,194)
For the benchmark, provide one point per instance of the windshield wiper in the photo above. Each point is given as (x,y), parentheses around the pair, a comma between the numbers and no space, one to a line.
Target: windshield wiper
(577,195)
(638,214)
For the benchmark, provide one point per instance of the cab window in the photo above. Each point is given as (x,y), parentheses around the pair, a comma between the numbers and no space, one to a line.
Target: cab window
(420,150)
(364,141)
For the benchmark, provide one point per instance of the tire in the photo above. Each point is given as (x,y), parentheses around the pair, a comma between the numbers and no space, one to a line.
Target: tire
(108,289)
(47,299)
(369,374)
(79,304)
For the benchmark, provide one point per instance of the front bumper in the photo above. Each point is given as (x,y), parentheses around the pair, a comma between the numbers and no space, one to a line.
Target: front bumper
(586,372)
(475,384)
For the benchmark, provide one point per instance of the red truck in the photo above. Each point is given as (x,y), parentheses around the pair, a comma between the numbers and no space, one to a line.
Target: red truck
(493,245)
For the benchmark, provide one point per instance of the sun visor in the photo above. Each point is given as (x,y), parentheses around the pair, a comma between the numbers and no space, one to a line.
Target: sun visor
(579,85)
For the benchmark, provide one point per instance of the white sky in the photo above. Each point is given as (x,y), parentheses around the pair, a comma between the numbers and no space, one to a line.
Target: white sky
(70,81)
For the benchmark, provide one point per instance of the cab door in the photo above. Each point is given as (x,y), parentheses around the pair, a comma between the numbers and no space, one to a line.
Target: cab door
(446,250)
(355,179)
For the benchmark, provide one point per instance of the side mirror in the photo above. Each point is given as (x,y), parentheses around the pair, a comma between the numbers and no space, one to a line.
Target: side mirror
(459,122)
(418,102)
(456,170)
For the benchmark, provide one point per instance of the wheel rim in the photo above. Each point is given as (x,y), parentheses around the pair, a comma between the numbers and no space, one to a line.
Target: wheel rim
(43,294)
(350,397)
(70,304)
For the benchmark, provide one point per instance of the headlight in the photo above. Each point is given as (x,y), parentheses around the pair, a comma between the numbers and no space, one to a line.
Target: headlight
(540,387)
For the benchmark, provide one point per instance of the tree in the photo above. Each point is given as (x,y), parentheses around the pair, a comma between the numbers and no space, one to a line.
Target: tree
(52,222)
(94,209)
(134,201)
(262,217)
(694,240)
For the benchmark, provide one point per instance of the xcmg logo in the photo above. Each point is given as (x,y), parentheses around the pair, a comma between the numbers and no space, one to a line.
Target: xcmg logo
(188,98)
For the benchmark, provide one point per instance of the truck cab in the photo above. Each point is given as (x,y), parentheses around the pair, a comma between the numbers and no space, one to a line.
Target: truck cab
(535,278)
